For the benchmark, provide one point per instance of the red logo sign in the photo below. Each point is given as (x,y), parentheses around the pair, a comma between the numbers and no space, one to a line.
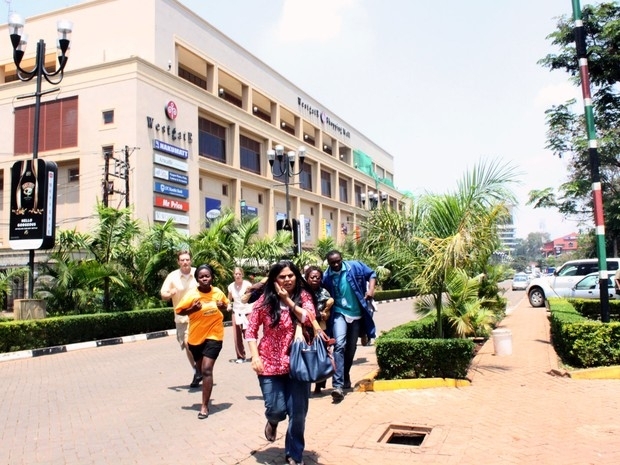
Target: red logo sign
(171,204)
(171,110)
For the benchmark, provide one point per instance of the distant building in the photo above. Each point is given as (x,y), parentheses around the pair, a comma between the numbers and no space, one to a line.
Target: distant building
(561,245)
(508,235)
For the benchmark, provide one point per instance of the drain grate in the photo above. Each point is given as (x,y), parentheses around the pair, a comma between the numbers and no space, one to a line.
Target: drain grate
(405,435)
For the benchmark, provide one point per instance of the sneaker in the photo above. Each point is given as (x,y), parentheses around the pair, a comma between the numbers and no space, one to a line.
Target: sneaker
(196,380)
(240,360)
(337,395)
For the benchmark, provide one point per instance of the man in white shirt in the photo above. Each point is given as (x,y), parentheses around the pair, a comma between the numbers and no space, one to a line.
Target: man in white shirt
(175,286)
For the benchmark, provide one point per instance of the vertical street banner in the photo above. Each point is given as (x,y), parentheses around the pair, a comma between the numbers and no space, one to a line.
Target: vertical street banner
(32,220)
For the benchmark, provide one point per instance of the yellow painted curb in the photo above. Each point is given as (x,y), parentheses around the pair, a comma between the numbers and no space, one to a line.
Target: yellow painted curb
(596,373)
(370,384)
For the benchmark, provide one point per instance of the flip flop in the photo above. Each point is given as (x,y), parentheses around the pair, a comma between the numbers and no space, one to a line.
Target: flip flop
(270,431)
(203,416)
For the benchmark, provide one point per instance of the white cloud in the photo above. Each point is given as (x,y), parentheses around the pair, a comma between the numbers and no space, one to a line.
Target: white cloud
(556,94)
(320,20)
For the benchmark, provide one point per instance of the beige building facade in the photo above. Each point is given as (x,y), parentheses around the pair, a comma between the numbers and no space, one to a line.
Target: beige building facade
(170,117)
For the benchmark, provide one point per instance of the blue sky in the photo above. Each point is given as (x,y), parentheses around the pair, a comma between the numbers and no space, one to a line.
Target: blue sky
(441,86)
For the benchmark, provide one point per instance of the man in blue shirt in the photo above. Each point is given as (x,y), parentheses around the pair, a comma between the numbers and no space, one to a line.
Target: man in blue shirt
(351,283)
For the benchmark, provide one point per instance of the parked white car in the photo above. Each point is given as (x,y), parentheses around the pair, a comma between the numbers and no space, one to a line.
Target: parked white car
(587,287)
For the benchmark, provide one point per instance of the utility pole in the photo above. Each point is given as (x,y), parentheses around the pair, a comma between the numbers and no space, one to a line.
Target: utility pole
(120,171)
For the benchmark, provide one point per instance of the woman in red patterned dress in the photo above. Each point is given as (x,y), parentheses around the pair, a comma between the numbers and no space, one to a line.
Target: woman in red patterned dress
(286,299)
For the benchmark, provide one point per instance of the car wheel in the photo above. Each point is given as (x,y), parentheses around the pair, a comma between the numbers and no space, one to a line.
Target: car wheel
(537,297)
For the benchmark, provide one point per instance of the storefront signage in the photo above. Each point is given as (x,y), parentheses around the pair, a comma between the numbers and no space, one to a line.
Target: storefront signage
(171,204)
(165,216)
(160,159)
(171,110)
(167,189)
(170,149)
(335,126)
(170,176)
(168,130)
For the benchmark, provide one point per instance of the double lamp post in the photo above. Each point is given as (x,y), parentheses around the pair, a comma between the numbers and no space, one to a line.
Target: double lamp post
(283,166)
(39,71)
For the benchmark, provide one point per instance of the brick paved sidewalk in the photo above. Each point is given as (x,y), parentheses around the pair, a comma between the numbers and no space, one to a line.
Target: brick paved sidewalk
(130,404)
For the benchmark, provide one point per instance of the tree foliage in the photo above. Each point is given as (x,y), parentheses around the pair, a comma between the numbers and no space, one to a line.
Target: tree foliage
(566,131)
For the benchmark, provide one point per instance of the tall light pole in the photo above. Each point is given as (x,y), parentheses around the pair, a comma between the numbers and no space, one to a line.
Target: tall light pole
(283,166)
(597,193)
(19,42)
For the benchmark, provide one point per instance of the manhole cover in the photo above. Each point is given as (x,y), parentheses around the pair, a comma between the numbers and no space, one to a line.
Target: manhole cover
(405,435)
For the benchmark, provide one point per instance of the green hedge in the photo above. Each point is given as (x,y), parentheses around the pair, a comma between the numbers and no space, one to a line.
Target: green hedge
(394,294)
(62,330)
(411,350)
(581,342)
(56,331)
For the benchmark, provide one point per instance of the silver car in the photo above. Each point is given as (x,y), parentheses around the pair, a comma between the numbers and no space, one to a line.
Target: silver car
(520,282)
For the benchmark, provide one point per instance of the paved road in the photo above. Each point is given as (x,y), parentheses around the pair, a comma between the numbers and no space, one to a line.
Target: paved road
(130,404)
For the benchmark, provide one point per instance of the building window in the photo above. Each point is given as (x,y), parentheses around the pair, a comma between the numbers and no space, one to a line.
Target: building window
(305,177)
(230,98)
(287,128)
(74,174)
(58,126)
(108,116)
(260,199)
(225,190)
(358,196)
(343,190)
(326,183)
(193,78)
(211,140)
(250,154)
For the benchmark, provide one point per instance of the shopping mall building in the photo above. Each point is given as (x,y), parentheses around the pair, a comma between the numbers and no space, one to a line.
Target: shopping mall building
(167,115)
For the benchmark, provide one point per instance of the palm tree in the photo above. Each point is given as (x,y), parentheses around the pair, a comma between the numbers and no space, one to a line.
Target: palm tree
(6,281)
(155,256)
(453,231)
(464,309)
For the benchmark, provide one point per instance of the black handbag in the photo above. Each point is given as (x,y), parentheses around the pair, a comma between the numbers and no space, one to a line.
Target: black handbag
(310,362)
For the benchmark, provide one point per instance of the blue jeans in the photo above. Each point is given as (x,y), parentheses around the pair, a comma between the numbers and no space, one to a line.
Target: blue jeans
(346,335)
(285,396)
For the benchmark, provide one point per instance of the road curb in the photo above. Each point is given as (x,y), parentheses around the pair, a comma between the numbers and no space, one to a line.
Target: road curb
(370,384)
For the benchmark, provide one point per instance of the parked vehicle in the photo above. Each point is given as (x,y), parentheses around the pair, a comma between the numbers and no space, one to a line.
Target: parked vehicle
(520,282)
(565,277)
(586,288)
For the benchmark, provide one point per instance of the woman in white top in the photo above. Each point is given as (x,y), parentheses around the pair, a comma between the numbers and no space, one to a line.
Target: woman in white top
(236,289)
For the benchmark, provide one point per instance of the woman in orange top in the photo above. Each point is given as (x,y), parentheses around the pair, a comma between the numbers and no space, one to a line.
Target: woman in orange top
(204,306)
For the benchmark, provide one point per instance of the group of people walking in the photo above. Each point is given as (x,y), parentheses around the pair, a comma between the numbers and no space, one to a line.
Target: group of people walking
(336,302)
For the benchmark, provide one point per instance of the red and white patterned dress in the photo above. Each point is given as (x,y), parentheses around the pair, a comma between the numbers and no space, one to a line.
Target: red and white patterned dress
(273,346)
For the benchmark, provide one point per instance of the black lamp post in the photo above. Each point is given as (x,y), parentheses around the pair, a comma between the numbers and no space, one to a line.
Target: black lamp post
(283,166)
(373,200)
(19,42)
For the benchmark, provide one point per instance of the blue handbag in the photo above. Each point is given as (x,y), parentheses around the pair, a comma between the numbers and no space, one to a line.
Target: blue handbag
(312,361)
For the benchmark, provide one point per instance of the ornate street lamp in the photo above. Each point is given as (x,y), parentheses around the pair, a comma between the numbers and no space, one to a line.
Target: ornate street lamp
(19,42)
(283,166)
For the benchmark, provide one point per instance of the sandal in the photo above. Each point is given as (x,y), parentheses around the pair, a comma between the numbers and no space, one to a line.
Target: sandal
(270,431)
(203,416)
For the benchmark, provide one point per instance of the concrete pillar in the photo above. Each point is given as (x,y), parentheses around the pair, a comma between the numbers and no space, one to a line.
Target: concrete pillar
(29,309)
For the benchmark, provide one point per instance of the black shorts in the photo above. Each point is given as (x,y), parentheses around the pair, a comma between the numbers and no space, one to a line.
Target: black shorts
(209,348)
